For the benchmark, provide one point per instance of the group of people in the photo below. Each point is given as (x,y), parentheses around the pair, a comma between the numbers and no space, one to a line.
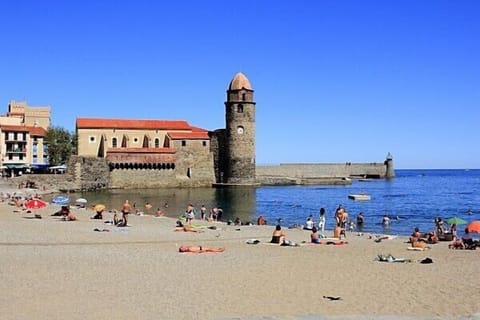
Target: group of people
(215,213)
(421,240)
(342,221)
(464,242)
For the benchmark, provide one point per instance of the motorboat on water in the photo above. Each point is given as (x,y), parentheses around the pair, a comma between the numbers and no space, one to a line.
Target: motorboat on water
(360,197)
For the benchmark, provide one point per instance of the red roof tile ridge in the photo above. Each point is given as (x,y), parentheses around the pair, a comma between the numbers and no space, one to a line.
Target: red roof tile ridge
(132,123)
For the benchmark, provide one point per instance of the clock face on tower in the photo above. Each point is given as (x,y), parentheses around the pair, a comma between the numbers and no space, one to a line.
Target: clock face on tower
(240,130)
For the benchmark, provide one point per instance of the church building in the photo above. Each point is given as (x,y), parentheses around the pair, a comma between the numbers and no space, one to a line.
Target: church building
(136,153)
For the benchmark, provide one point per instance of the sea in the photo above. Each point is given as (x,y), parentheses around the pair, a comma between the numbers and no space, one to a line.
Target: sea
(414,198)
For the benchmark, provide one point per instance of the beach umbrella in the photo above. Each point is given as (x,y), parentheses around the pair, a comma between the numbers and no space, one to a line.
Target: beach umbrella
(99,207)
(474,226)
(456,220)
(35,204)
(61,199)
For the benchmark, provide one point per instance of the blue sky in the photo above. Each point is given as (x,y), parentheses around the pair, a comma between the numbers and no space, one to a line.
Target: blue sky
(334,81)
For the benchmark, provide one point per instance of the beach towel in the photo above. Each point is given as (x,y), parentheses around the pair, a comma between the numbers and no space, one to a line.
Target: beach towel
(391,259)
(330,242)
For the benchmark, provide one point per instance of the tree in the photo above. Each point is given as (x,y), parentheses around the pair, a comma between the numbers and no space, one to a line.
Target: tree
(61,145)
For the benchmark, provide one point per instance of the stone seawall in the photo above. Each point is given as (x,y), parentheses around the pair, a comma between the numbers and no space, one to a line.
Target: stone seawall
(44,182)
(94,173)
(318,173)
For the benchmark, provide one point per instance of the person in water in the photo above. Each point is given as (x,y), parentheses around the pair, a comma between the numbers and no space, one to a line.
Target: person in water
(360,219)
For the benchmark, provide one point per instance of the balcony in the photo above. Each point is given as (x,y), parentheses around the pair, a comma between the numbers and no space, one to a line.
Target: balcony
(16,151)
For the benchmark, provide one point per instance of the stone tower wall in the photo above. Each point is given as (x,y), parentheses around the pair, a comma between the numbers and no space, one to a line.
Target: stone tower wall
(89,173)
(218,147)
(240,168)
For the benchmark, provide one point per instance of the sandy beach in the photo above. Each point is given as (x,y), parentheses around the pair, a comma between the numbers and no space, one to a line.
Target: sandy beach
(53,269)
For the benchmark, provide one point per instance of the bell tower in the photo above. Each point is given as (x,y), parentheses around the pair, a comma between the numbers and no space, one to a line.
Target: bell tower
(240,132)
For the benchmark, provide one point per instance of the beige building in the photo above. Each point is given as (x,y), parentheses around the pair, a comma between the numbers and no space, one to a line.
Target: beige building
(22,134)
(159,152)
(33,116)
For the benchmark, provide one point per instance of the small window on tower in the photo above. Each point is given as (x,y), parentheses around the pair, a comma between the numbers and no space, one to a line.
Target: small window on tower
(240,108)
(114,142)
(204,143)
(184,143)
(243,96)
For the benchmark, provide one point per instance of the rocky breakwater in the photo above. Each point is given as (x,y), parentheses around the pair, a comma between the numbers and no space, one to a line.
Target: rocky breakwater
(45,183)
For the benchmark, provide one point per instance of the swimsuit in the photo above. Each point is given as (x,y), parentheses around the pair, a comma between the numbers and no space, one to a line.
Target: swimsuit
(275,239)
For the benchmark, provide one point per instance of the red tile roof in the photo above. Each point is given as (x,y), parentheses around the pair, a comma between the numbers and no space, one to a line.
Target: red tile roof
(96,123)
(34,131)
(37,131)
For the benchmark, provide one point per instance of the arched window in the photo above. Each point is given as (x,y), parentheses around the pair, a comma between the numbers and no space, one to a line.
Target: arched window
(243,96)
(157,143)
(146,143)
(114,142)
(240,108)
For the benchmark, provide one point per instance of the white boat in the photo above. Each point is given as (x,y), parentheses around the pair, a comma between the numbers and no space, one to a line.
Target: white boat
(81,201)
(359,197)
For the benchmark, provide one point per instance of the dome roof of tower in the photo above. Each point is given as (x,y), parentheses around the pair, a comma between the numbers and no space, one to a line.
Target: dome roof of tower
(240,81)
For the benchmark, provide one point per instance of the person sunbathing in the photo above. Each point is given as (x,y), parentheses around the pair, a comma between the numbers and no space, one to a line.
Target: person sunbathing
(314,236)
(188,228)
(457,243)
(199,249)
(416,235)
(70,217)
(418,243)
(159,213)
(278,235)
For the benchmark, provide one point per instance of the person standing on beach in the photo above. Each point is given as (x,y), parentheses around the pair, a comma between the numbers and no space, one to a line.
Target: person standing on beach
(126,208)
(203,212)
(321,220)
(189,213)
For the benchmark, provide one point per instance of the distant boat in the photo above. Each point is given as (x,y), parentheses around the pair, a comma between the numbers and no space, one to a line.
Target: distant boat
(359,197)
(61,199)
(81,201)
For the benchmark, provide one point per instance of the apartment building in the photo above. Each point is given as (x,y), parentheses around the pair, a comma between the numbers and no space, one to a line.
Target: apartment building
(22,138)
